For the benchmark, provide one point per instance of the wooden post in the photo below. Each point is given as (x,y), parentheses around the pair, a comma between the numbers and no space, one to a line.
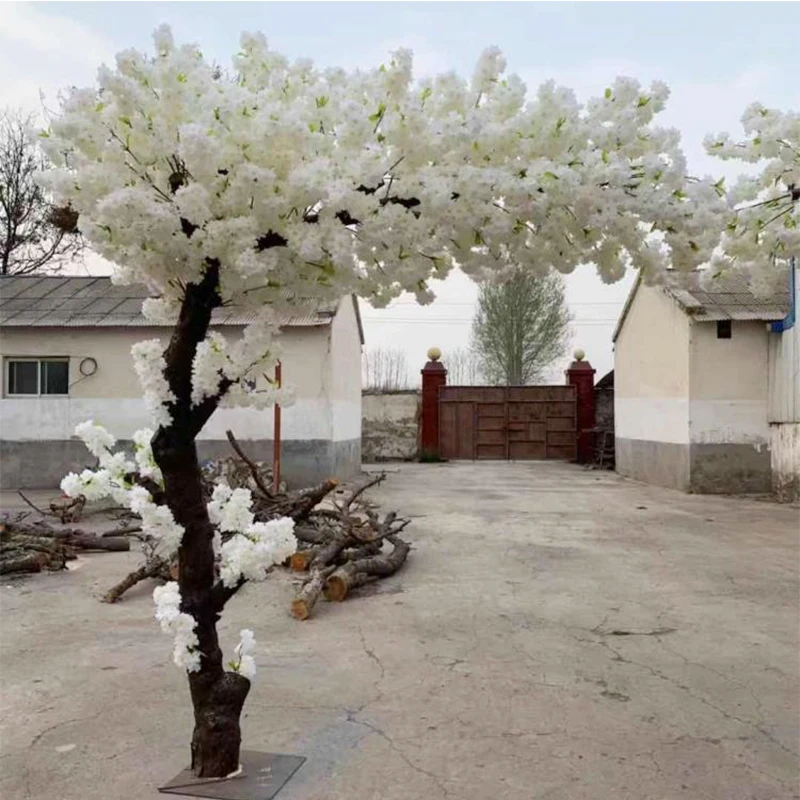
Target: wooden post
(276,439)
(581,375)
(434,376)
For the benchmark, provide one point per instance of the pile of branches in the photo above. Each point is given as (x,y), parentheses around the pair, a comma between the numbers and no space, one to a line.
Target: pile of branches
(341,546)
(340,535)
(34,545)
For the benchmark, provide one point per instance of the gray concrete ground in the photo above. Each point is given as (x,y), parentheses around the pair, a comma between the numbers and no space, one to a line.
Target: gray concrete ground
(557,633)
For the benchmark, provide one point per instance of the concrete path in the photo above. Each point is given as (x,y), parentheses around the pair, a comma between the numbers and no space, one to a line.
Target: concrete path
(557,633)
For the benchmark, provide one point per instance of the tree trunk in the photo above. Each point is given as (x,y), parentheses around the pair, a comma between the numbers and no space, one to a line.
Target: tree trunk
(217,696)
(217,735)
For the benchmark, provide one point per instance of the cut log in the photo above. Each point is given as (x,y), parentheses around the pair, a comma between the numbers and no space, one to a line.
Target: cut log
(301,560)
(356,573)
(307,597)
(23,562)
(156,568)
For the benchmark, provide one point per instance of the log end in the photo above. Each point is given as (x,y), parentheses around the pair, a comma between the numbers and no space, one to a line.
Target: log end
(300,609)
(300,560)
(335,589)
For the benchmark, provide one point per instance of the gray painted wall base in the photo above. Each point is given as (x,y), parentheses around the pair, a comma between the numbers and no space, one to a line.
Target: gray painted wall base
(42,465)
(730,469)
(701,468)
(659,463)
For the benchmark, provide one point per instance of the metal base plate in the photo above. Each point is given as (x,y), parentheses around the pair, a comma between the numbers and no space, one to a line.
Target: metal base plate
(263,776)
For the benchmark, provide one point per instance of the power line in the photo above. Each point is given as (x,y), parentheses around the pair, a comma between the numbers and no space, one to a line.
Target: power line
(463,321)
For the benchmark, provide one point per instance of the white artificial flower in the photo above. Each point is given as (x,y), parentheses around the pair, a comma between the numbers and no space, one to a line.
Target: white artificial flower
(148,361)
(143,453)
(181,625)
(249,554)
(245,664)
(97,439)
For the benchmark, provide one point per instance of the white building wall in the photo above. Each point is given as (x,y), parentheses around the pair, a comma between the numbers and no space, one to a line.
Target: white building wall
(651,391)
(112,396)
(321,363)
(728,385)
(344,373)
(784,405)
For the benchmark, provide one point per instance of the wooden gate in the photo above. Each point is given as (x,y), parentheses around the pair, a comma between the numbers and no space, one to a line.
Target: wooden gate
(508,423)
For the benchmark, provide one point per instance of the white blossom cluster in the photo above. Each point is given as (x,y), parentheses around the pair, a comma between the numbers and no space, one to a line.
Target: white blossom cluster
(254,546)
(181,625)
(111,479)
(149,363)
(217,358)
(247,554)
(763,223)
(244,663)
(307,183)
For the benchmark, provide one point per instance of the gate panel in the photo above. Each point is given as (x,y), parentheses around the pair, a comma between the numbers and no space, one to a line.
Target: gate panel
(516,422)
(492,431)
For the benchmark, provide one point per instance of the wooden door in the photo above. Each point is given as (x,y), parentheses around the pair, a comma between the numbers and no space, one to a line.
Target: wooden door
(515,422)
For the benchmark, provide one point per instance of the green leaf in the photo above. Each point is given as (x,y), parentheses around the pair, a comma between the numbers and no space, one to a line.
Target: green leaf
(99,107)
(523,173)
(608,93)
(719,187)
(426,93)
(313,127)
(604,156)
(576,162)
(657,174)
(217,115)
(551,175)
(694,246)
(44,134)
(757,141)
(478,238)
(381,138)
(321,101)
(643,101)
(679,194)
(182,77)
(379,113)
(126,121)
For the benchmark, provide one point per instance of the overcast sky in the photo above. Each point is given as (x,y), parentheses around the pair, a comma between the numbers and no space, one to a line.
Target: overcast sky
(716,58)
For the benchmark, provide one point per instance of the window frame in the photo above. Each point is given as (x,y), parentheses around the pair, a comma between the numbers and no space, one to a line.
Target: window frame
(724,329)
(38,360)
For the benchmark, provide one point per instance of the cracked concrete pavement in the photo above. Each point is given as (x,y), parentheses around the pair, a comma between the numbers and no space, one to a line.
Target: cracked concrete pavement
(557,633)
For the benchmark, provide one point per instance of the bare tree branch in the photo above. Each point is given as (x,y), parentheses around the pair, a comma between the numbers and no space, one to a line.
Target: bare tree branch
(385,369)
(34,235)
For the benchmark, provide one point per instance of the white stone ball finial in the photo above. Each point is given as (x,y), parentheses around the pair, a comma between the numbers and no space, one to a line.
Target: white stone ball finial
(579,355)
(434,353)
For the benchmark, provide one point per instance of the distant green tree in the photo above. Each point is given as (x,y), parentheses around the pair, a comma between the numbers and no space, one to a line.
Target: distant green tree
(521,327)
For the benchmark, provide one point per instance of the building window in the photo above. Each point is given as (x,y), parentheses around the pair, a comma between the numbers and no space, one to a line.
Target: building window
(31,377)
(724,329)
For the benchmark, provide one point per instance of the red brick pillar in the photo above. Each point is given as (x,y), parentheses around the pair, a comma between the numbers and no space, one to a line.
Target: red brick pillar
(581,375)
(434,376)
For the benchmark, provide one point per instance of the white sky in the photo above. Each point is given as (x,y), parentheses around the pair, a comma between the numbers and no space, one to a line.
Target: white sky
(716,57)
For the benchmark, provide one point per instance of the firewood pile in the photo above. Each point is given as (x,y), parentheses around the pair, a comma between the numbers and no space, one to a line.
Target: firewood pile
(34,545)
(343,541)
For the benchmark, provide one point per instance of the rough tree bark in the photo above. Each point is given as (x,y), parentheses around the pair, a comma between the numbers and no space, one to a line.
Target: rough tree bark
(217,696)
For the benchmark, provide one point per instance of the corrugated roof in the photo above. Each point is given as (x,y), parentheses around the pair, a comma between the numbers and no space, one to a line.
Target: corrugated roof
(708,299)
(730,296)
(37,301)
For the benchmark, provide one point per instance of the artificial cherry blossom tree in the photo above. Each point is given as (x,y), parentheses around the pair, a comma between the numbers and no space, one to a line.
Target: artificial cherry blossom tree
(279,184)
(763,225)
